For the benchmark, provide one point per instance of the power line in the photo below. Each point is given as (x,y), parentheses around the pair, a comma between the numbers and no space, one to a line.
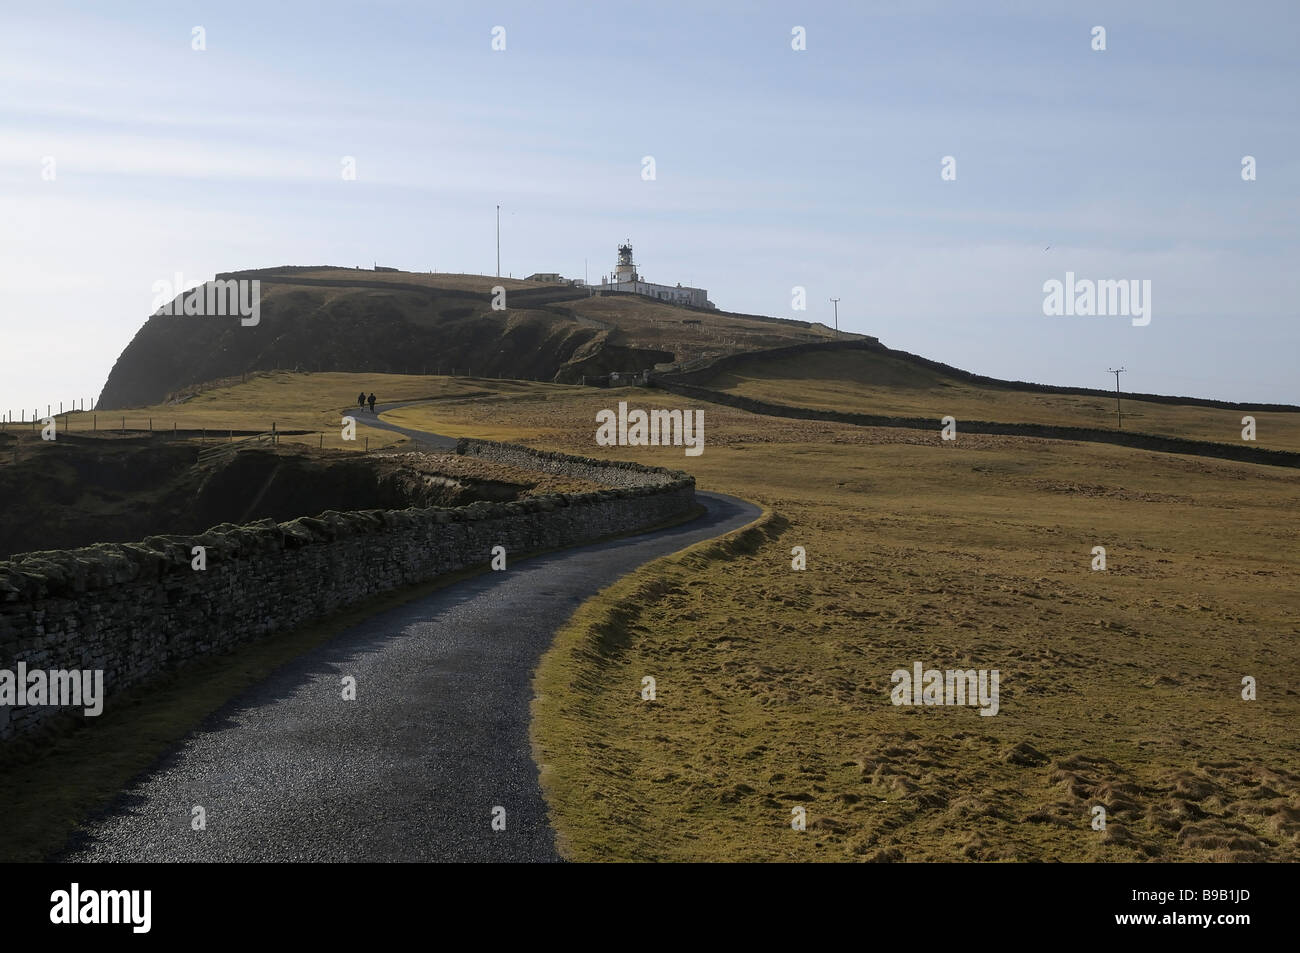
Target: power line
(1119,414)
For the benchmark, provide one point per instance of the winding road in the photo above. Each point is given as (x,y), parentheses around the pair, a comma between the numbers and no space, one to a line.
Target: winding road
(434,745)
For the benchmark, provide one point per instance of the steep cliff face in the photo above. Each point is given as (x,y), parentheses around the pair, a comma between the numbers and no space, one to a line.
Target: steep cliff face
(344,329)
(353,321)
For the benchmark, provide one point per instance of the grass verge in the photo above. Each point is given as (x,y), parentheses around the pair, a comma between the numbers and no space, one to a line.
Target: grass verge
(572,676)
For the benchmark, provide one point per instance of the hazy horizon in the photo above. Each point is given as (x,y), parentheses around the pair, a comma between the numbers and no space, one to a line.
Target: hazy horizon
(774,168)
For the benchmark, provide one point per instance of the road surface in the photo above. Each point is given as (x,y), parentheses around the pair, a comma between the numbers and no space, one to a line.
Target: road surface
(435,742)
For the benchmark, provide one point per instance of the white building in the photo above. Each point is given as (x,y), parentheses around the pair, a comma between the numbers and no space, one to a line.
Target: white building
(626,278)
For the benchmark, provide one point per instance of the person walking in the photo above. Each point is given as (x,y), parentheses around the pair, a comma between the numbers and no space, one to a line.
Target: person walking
(361,400)
(372,403)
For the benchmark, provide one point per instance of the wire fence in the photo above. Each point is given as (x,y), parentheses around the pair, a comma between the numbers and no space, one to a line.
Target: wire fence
(72,420)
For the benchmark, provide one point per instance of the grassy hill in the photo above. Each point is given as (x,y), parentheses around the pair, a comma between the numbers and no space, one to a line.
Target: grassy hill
(896,383)
(299,401)
(349,320)
(1120,687)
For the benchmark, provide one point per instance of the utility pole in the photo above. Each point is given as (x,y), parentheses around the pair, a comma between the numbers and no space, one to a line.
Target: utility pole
(498,241)
(1118,413)
(836,302)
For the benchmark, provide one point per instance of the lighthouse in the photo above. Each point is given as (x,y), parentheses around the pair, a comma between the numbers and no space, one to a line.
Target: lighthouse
(625,270)
(627,280)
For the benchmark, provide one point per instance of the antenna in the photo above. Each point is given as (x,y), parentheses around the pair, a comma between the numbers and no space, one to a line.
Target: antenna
(836,302)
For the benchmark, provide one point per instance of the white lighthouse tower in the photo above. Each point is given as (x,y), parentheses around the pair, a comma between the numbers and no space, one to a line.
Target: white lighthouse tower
(627,280)
(625,270)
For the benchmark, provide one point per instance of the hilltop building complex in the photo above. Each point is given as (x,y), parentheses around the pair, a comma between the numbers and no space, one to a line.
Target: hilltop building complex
(626,278)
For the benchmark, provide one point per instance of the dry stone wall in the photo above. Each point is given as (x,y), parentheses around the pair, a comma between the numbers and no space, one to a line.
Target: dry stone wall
(136,610)
(606,472)
(1142,441)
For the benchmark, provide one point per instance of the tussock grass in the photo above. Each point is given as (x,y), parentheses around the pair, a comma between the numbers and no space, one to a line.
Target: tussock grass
(1119,688)
(570,682)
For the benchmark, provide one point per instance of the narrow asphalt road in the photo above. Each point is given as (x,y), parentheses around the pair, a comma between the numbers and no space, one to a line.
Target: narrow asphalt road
(436,440)
(414,769)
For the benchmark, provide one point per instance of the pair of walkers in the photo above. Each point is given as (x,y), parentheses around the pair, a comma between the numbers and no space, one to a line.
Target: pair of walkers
(361,401)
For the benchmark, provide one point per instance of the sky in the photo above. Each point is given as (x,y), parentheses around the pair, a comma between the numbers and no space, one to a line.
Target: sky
(128,155)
